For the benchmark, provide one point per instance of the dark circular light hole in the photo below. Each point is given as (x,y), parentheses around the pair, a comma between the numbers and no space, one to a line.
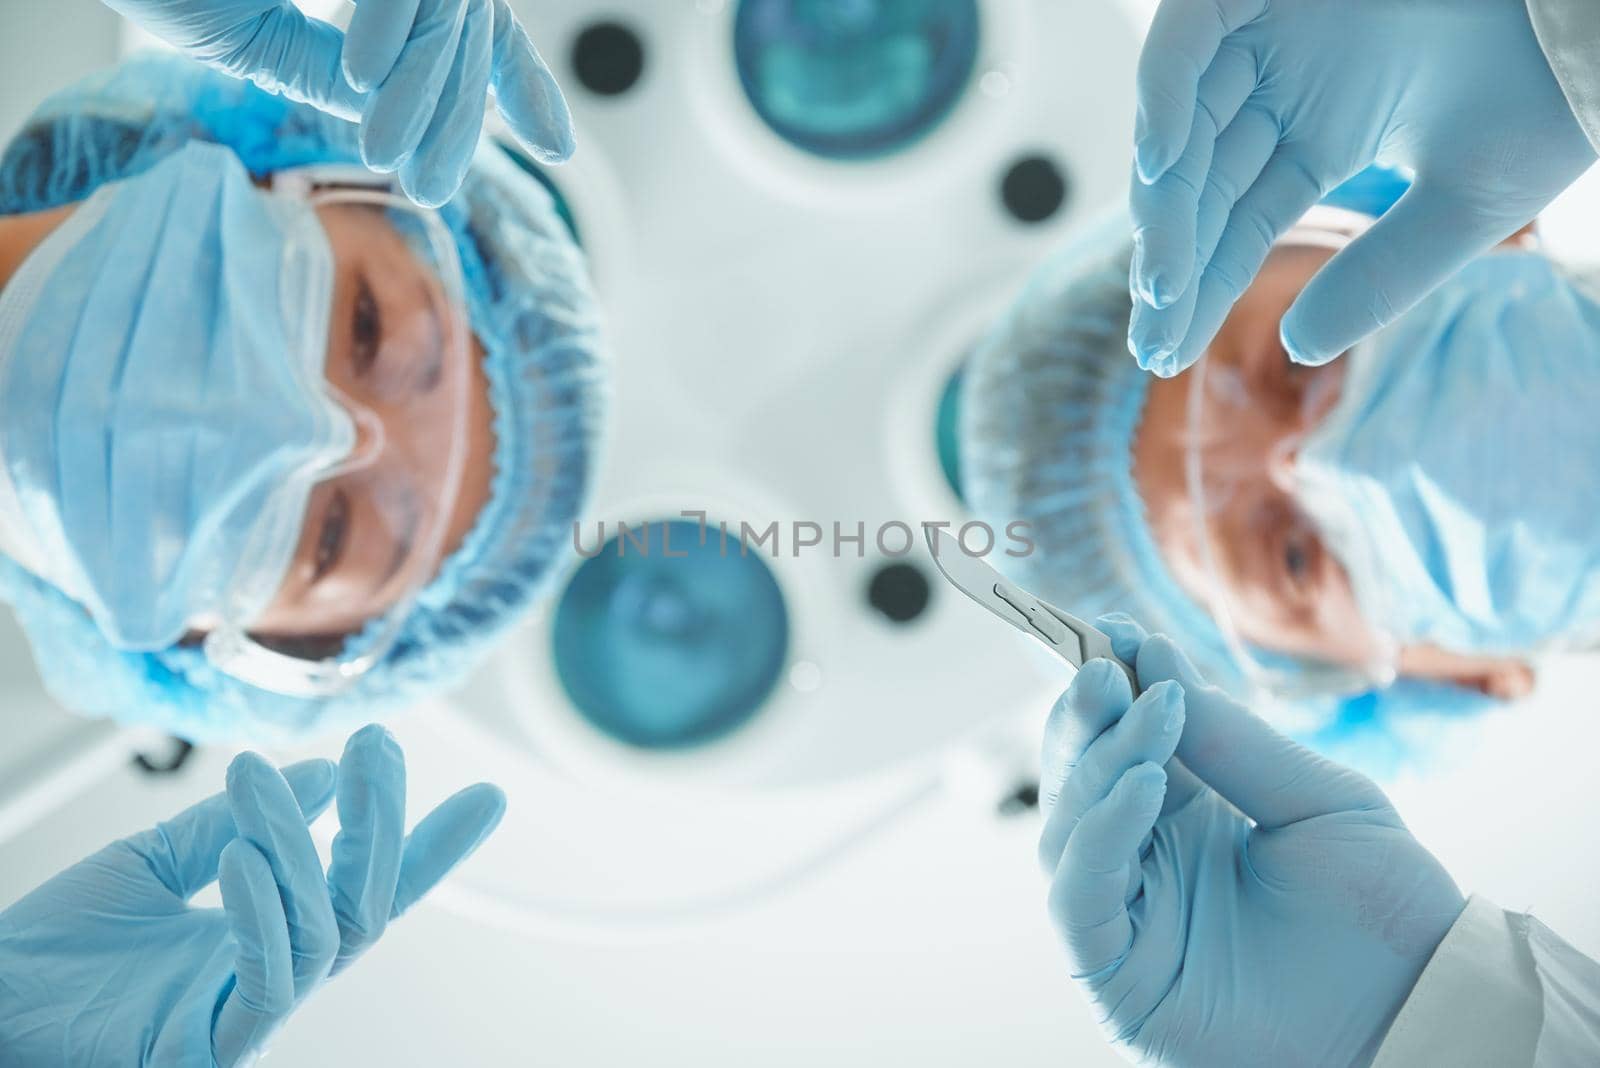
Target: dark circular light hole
(608,58)
(1024,797)
(1033,189)
(170,764)
(899,592)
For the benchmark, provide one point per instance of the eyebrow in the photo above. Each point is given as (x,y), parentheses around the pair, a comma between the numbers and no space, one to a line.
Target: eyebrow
(434,373)
(404,543)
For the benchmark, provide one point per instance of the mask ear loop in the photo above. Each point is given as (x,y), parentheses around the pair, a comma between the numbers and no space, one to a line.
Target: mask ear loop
(1194,475)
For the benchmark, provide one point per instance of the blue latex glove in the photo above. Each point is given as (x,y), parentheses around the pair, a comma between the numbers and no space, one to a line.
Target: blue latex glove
(414,73)
(1226,896)
(1250,111)
(107,963)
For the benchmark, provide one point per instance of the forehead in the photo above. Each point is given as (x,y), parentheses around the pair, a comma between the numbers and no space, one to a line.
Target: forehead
(366,235)
(1287,270)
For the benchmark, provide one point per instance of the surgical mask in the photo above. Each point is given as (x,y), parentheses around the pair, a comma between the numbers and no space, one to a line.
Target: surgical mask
(1457,477)
(168,415)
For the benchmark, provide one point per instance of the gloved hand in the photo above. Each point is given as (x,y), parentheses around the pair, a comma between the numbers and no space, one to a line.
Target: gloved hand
(414,73)
(1250,111)
(107,964)
(1226,897)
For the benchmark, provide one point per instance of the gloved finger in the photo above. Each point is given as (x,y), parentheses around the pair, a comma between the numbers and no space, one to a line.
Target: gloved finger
(1183,41)
(1087,894)
(1242,152)
(1165,212)
(1135,885)
(399,112)
(445,837)
(183,851)
(436,170)
(1286,190)
(263,992)
(1425,238)
(298,57)
(526,92)
(1161,921)
(1126,633)
(376,37)
(1146,734)
(268,818)
(1263,774)
(365,867)
(1098,696)
(1127,638)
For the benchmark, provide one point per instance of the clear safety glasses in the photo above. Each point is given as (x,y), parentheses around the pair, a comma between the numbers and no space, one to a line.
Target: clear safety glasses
(1276,579)
(338,557)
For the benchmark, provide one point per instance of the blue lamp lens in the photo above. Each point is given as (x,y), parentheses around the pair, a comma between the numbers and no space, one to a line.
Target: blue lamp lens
(947,433)
(666,643)
(852,79)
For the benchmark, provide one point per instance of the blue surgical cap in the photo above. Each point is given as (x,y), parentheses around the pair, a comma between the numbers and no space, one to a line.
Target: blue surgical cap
(531,309)
(1372,192)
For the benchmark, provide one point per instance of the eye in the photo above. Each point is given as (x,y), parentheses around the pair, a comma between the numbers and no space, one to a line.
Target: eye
(366,330)
(1297,557)
(433,371)
(332,535)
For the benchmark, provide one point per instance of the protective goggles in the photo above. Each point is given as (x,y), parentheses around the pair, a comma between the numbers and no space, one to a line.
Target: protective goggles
(1276,583)
(338,557)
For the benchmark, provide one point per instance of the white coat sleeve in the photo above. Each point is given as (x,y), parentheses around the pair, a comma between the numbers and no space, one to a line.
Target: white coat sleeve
(1501,991)
(1569,33)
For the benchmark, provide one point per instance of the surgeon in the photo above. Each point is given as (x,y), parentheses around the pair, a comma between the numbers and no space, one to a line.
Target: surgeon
(1226,897)
(109,964)
(279,450)
(412,73)
(1251,111)
(1397,532)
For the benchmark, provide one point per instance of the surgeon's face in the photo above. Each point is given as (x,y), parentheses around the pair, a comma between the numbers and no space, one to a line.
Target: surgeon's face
(362,546)
(1236,532)
(1284,589)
